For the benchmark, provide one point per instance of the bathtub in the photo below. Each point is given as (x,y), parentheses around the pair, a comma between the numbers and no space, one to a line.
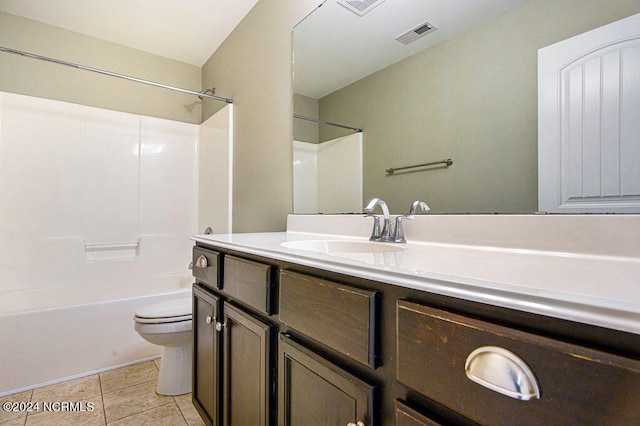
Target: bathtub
(59,325)
(42,347)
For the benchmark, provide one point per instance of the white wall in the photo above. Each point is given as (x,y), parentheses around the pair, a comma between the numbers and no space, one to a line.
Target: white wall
(305,177)
(216,172)
(328,176)
(340,175)
(91,202)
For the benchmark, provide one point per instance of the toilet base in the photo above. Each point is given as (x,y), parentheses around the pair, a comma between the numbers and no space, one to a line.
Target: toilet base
(174,377)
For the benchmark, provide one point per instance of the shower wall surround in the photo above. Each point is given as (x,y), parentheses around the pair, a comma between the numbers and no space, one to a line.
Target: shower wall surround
(328,175)
(91,199)
(97,208)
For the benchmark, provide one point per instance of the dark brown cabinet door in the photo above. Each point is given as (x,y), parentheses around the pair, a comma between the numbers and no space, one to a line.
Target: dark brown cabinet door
(312,391)
(247,370)
(206,359)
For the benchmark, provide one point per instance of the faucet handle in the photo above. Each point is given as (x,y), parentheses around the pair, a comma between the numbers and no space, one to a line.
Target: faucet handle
(375,233)
(385,233)
(416,204)
(399,235)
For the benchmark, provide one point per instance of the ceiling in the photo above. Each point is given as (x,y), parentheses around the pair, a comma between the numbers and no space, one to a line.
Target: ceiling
(334,47)
(185,30)
(191,30)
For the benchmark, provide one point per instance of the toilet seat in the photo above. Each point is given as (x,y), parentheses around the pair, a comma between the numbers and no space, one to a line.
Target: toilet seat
(163,320)
(171,311)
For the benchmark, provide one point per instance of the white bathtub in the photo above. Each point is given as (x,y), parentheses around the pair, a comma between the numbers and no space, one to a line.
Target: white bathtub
(41,347)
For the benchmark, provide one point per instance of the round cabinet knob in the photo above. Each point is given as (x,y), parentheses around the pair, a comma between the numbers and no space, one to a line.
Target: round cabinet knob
(219,326)
(355,424)
(208,319)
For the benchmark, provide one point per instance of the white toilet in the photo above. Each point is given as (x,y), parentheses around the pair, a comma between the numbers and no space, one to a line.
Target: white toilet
(168,324)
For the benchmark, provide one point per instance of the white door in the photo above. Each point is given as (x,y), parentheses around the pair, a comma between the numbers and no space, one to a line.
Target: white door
(589,121)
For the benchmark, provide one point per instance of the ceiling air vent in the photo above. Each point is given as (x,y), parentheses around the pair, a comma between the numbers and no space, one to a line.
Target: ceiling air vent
(360,7)
(415,33)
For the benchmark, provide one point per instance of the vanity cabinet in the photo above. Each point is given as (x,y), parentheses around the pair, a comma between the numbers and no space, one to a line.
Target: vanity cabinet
(300,345)
(232,362)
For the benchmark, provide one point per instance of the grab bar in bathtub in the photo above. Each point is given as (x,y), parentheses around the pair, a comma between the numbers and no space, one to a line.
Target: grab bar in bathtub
(112,246)
(112,251)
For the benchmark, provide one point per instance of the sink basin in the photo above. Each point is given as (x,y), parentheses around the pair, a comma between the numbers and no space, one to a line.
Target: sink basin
(343,246)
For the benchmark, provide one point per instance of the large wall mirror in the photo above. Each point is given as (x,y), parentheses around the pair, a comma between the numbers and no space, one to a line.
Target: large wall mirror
(460,85)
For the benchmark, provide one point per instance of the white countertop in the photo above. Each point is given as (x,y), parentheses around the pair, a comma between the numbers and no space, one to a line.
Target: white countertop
(596,289)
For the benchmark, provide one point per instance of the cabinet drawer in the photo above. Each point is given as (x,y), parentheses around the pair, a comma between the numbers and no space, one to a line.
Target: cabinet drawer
(340,316)
(438,352)
(249,282)
(205,266)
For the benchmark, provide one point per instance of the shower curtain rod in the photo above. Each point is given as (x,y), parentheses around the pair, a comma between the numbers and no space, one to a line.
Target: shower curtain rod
(315,120)
(201,95)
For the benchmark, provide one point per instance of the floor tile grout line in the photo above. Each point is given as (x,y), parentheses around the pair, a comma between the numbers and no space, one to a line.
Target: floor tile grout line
(27,415)
(104,409)
(186,422)
(143,411)
(129,386)
(133,384)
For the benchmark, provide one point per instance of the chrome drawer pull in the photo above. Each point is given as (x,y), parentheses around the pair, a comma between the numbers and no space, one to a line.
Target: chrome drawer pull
(355,424)
(502,371)
(202,262)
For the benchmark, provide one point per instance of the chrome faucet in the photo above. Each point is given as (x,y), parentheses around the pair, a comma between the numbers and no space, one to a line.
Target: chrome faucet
(387,234)
(399,232)
(416,204)
(378,234)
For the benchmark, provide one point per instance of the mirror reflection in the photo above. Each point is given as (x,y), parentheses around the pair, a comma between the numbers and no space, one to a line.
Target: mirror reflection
(462,85)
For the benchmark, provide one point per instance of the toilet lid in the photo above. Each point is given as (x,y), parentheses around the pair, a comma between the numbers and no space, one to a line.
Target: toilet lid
(176,309)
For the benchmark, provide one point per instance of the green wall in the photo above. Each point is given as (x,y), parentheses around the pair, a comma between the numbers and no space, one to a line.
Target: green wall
(253,66)
(46,80)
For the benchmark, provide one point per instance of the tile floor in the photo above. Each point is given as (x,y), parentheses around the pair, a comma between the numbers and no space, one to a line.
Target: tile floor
(125,396)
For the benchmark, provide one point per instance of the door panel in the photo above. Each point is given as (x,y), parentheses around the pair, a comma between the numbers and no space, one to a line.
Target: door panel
(206,344)
(588,127)
(313,391)
(247,380)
